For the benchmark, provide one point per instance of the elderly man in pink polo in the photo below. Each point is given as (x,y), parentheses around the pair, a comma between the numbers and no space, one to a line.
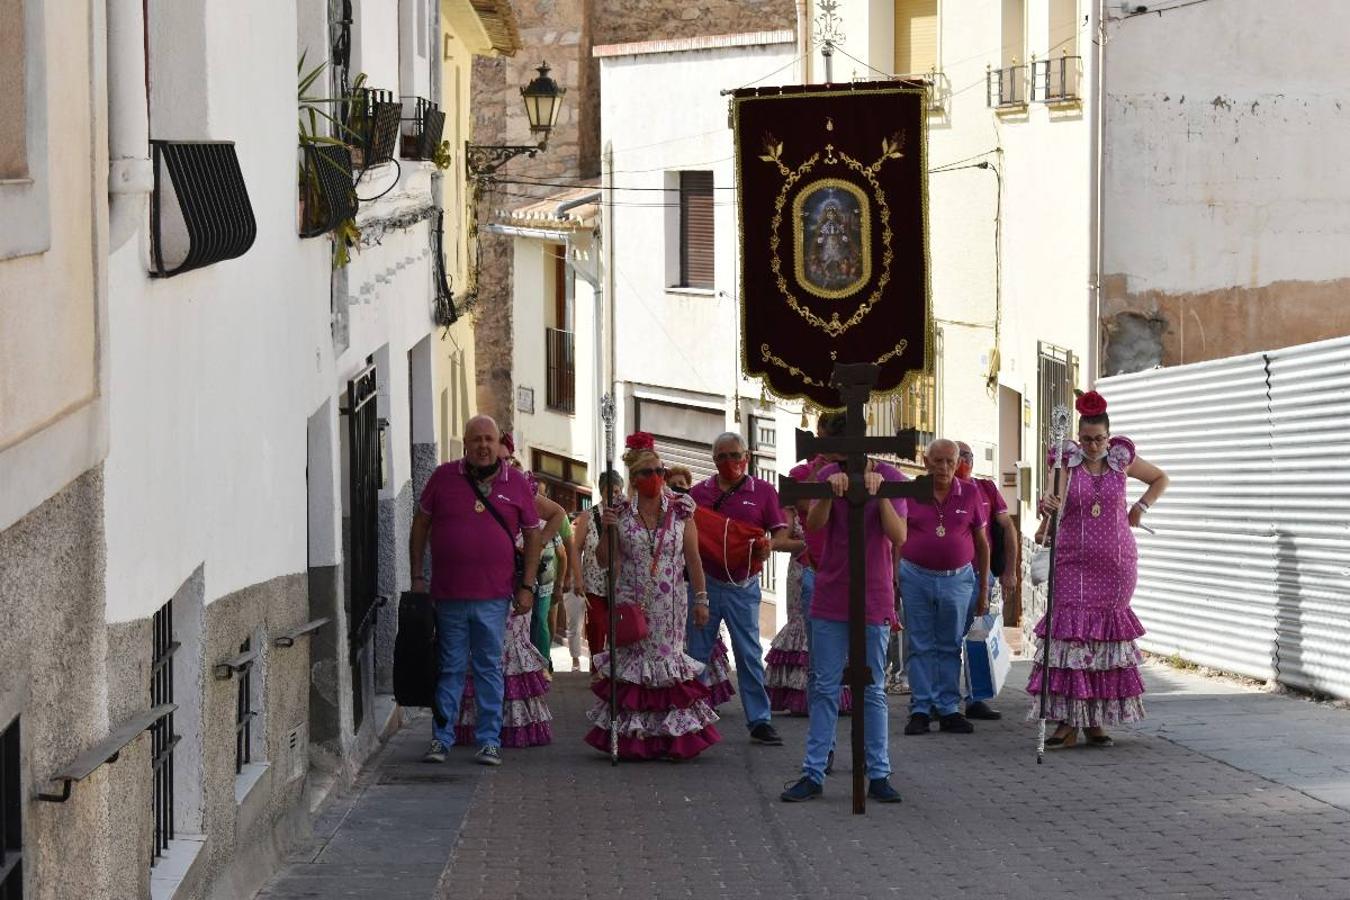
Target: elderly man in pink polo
(734,593)
(472,509)
(944,568)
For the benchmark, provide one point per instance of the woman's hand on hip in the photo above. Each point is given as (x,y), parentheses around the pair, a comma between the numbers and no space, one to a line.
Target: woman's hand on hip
(701,614)
(1136,516)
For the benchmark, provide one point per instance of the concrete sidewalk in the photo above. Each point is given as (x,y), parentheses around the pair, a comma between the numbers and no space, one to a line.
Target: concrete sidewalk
(1224,792)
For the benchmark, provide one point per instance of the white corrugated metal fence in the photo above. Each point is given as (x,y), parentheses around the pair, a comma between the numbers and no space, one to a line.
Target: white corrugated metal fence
(1250,569)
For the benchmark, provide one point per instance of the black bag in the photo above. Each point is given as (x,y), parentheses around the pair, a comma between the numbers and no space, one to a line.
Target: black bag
(417,664)
(998,553)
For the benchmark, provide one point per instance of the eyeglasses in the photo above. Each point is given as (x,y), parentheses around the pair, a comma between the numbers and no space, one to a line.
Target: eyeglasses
(648,473)
(1094,439)
(723,457)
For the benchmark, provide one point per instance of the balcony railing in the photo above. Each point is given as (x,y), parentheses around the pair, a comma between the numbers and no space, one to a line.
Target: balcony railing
(326,188)
(1006,88)
(911,412)
(1056,80)
(423,123)
(562,370)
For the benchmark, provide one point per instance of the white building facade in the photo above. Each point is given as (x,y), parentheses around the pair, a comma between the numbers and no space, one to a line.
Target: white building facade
(212,432)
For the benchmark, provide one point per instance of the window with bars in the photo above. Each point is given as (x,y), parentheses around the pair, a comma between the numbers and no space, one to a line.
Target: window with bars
(764,464)
(696,230)
(162,737)
(11,816)
(244,716)
(1056,371)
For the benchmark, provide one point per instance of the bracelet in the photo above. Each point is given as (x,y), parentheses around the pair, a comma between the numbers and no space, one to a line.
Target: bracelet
(1142,505)
(701,598)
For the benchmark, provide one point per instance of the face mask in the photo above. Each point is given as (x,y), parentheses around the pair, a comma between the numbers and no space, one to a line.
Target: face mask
(650,486)
(482,473)
(963,469)
(731,469)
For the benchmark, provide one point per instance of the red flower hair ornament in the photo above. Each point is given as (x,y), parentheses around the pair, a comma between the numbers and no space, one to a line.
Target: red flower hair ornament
(640,440)
(1090,404)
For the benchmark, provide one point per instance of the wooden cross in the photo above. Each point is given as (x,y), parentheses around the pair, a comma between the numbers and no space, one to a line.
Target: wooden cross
(855,382)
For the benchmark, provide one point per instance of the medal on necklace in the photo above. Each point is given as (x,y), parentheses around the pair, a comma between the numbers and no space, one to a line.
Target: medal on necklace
(1096,510)
(941,531)
(478,506)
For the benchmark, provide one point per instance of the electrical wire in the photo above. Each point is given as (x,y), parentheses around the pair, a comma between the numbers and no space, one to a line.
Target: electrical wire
(1143,10)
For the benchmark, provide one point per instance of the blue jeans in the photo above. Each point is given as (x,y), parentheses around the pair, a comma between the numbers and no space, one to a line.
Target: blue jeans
(470,631)
(808,592)
(829,650)
(970,620)
(935,620)
(739,608)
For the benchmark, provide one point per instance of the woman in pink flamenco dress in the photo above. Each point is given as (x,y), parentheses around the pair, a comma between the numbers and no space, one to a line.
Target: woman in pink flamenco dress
(1093,659)
(663,710)
(526,718)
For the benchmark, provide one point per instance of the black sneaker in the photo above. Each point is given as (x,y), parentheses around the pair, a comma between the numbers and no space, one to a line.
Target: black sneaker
(981,710)
(956,724)
(829,764)
(805,789)
(880,790)
(918,724)
(435,753)
(764,733)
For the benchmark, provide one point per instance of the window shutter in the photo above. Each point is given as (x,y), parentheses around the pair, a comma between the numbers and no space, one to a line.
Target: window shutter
(696,229)
(916,36)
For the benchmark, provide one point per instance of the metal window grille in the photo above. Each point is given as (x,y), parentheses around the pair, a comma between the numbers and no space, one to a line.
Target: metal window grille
(244,716)
(562,370)
(444,313)
(11,816)
(162,737)
(764,464)
(1055,80)
(201,213)
(364,478)
(696,229)
(329,195)
(373,123)
(422,126)
(1055,378)
(1005,87)
(913,409)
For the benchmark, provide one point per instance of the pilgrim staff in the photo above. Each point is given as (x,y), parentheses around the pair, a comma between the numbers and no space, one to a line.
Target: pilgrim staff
(1059,430)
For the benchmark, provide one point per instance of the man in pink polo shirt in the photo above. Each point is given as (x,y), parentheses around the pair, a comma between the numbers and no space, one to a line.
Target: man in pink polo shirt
(938,583)
(998,524)
(472,510)
(884,528)
(733,596)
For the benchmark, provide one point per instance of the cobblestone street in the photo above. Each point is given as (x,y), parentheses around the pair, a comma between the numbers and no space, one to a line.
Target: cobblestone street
(1224,792)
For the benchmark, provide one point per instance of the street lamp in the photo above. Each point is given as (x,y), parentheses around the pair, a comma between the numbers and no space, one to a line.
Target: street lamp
(543,101)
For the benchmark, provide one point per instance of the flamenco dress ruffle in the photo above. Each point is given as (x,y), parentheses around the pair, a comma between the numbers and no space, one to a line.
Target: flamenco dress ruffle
(526,718)
(663,708)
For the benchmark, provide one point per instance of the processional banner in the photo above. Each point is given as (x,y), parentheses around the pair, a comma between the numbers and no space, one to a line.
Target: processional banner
(833,205)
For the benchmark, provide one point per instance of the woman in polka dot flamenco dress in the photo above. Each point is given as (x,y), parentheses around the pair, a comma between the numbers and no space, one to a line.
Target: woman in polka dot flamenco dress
(1093,659)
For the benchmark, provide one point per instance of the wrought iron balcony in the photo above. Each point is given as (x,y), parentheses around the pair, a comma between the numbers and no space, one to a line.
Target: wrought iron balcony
(1056,80)
(560,349)
(423,124)
(326,189)
(372,125)
(200,212)
(1006,88)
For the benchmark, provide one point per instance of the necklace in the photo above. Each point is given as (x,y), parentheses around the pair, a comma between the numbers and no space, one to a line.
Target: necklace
(655,535)
(1098,479)
(941,530)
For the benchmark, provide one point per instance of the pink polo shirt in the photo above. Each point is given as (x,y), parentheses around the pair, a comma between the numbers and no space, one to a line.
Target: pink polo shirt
(958,517)
(815,540)
(755,502)
(472,558)
(993,503)
(832,582)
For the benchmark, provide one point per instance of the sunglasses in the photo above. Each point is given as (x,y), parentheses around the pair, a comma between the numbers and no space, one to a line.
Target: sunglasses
(648,473)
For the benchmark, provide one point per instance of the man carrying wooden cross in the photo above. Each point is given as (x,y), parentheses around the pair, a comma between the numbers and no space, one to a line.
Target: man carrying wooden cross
(884,529)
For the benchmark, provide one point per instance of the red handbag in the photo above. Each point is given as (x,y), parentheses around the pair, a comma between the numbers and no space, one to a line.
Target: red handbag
(726,544)
(630,624)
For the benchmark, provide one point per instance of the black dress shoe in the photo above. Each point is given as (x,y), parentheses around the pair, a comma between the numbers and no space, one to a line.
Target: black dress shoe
(981,710)
(918,724)
(880,790)
(956,724)
(764,733)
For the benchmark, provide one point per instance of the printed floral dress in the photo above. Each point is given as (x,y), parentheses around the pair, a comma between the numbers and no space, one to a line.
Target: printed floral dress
(1094,662)
(663,709)
(526,718)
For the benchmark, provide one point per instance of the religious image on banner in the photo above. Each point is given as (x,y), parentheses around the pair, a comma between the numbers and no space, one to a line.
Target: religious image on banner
(832,191)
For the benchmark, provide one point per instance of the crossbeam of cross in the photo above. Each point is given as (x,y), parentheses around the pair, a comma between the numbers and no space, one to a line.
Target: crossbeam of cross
(855,383)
